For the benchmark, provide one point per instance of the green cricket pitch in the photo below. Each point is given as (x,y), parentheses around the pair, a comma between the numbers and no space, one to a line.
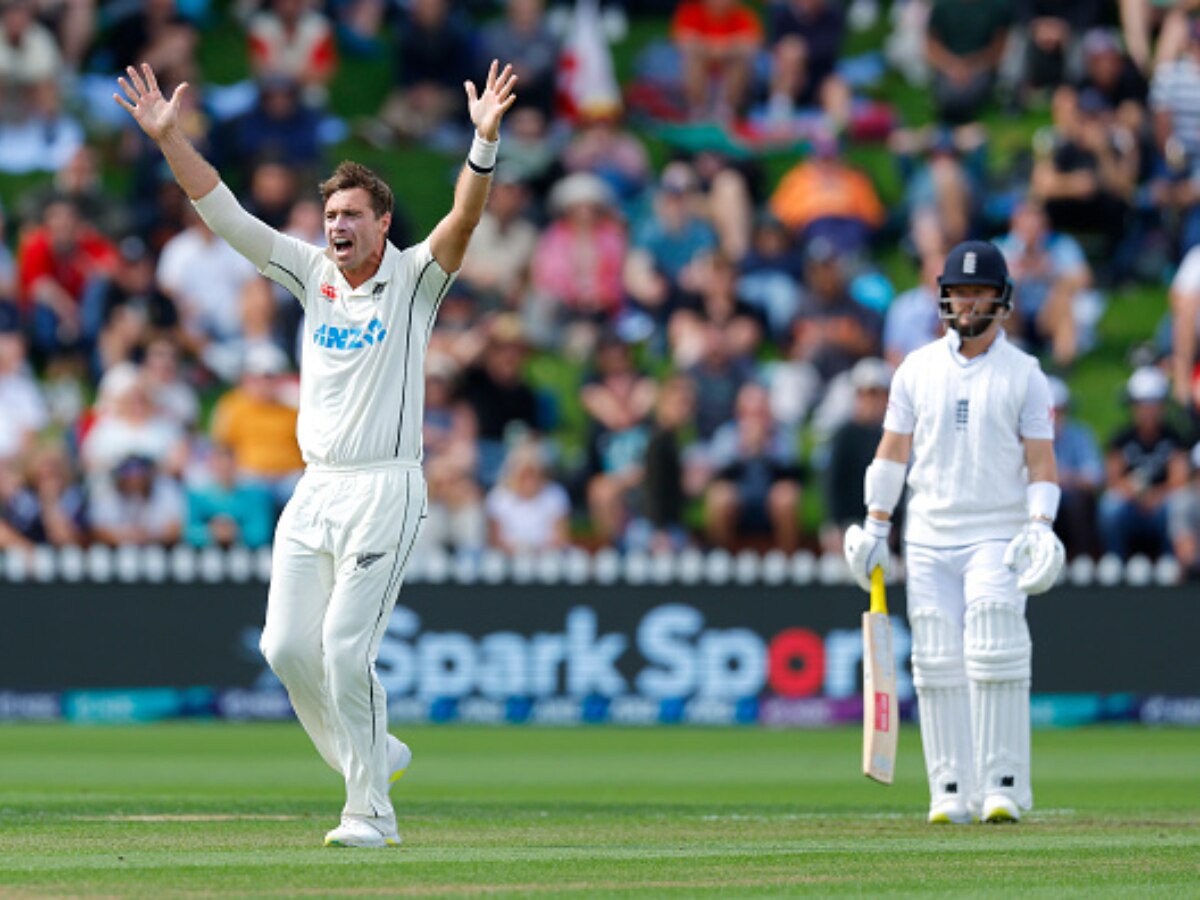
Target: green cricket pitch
(222,810)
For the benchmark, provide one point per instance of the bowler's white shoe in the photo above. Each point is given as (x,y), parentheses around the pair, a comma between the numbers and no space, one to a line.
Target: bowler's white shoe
(1000,808)
(950,812)
(359,831)
(399,758)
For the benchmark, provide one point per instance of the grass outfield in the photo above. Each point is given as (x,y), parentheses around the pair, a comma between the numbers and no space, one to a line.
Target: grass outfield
(236,810)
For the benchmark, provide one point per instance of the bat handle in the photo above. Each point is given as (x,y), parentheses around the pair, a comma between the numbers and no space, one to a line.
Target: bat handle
(878,593)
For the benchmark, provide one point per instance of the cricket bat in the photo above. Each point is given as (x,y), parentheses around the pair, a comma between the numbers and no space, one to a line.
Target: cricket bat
(881,717)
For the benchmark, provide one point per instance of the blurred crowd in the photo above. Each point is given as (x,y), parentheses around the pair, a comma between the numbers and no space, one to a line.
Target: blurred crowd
(645,355)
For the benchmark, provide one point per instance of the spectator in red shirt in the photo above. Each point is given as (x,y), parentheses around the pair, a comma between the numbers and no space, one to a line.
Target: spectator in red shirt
(290,40)
(54,264)
(718,40)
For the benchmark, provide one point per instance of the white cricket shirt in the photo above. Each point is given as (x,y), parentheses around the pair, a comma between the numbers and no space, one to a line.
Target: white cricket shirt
(968,418)
(362,371)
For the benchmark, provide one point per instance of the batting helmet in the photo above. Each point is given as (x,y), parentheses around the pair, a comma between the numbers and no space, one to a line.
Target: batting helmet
(975,263)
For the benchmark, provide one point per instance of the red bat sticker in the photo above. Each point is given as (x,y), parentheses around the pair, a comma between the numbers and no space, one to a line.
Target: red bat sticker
(882,711)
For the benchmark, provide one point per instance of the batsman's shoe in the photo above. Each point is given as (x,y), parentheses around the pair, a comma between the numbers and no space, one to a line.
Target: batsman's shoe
(399,758)
(1000,808)
(950,812)
(359,831)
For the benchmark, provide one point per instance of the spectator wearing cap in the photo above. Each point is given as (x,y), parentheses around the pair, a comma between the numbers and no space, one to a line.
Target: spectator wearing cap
(1185,333)
(291,40)
(498,392)
(1146,462)
(1175,107)
(138,505)
(129,424)
(1087,175)
(1183,521)
(226,510)
(1054,306)
(257,421)
(832,331)
(851,449)
(577,266)
(943,171)
(1109,71)
(527,512)
(497,264)
(755,490)
(822,196)
(1080,476)
(771,273)
(618,400)
(965,42)
(122,311)
(455,503)
(718,40)
(805,38)
(55,262)
(665,262)
(21,397)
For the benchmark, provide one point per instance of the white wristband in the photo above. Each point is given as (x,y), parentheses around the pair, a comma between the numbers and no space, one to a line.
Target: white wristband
(883,485)
(1042,499)
(877,528)
(482,158)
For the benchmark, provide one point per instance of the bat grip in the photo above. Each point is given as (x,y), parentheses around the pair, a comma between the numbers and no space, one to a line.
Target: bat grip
(878,593)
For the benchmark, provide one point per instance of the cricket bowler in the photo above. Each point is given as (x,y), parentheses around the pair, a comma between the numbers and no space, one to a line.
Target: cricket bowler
(970,420)
(344,538)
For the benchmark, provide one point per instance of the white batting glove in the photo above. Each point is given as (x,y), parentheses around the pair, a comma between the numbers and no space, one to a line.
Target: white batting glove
(866,547)
(1037,556)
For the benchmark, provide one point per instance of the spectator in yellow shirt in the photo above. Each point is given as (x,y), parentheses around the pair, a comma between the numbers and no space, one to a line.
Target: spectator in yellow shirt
(258,423)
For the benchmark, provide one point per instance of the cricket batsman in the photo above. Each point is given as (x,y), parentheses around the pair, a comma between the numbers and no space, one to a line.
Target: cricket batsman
(970,420)
(343,541)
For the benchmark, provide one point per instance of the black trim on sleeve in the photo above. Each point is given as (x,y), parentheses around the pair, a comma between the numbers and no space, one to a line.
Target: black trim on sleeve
(290,274)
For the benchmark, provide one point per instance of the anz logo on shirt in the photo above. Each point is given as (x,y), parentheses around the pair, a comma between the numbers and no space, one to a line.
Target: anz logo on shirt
(331,337)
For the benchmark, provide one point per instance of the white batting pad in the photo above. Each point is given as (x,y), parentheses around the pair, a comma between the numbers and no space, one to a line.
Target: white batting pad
(944,704)
(999,658)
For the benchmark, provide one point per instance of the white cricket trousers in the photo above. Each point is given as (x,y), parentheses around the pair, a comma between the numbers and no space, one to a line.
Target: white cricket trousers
(341,548)
(971,660)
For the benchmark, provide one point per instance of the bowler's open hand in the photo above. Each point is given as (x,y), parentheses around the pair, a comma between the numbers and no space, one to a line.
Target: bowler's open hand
(150,109)
(488,108)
